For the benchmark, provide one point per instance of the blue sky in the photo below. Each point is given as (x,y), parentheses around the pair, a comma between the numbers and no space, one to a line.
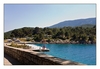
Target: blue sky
(44,15)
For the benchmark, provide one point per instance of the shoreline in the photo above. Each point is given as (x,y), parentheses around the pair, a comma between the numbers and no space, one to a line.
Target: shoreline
(51,43)
(44,43)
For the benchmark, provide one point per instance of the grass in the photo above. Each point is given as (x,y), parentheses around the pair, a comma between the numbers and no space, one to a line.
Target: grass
(5,40)
(20,46)
(22,39)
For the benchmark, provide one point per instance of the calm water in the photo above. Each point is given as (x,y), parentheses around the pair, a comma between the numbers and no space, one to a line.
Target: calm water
(83,53)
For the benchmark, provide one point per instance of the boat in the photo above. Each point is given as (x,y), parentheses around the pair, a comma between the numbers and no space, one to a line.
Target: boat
(41,50)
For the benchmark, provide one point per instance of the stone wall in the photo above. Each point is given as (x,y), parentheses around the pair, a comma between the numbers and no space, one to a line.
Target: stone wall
(29,57)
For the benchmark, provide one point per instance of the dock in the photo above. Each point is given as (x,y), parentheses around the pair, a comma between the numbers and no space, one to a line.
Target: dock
(38,48)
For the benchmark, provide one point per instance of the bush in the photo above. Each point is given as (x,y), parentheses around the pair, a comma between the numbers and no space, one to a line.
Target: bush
(20,46)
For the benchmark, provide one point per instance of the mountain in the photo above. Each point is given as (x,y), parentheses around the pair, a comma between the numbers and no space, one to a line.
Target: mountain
(74,23)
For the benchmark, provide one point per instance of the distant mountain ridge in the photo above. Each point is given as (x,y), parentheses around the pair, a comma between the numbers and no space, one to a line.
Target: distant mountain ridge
(74,23)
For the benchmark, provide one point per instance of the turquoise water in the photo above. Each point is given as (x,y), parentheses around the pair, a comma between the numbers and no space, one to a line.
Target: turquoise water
(83,53)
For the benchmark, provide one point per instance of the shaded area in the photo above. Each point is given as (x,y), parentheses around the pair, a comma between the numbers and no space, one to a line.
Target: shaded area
(10,61)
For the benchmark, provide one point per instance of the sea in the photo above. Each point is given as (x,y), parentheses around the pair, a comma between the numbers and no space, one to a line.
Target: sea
(82,53)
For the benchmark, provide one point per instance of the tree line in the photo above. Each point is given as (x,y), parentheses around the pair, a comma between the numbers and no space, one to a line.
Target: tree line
(69,33)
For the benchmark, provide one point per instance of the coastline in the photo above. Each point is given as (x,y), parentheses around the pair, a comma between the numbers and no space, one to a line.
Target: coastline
(34,42)
(52,42)
(55,43)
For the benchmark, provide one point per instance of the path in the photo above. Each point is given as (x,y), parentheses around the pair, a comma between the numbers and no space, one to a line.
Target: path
(10,61)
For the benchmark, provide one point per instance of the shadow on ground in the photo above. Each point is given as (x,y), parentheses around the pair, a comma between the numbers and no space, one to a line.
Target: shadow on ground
(11,60)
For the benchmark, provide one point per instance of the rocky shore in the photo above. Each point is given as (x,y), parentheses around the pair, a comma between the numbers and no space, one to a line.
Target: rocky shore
(61,42)
(56,41)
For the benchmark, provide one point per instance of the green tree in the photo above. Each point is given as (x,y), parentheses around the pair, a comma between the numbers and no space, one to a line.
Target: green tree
(36,30)
(49,32)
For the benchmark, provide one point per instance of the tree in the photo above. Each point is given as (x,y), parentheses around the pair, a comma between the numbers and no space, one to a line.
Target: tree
(49,32)
(67,34)
(38,37)
(36,30)
(17,33)
(73,33)
(92,38)
(74,37)
(27,31)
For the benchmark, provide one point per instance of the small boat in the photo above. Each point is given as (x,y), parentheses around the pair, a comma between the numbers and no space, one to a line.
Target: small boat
(41,49)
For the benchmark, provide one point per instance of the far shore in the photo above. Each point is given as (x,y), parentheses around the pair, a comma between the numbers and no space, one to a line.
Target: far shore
(53,43)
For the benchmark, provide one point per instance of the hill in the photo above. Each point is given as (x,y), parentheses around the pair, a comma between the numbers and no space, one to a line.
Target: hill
(55,35)
(75,23)
(7,34)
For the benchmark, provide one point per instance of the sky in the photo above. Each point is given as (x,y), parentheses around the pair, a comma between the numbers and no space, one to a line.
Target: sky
(44,15)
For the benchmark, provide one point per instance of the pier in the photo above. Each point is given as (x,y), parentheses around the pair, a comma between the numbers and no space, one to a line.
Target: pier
(38,48)
(29,57)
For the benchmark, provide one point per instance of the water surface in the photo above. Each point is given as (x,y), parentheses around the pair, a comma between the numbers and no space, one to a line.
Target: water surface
(83,53)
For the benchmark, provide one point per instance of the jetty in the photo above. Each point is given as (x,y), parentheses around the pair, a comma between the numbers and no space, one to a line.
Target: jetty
(14,56)
(38,48)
